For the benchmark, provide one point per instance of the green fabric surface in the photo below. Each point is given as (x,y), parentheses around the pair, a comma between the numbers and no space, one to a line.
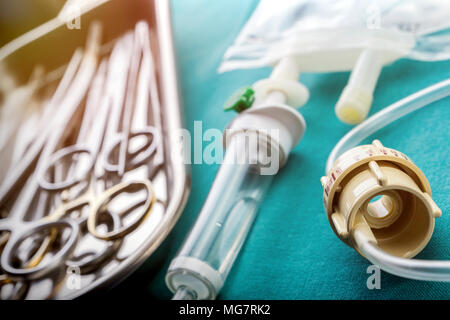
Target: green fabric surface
(292,252)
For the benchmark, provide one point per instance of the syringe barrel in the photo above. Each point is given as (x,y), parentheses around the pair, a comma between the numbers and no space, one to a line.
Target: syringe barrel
(214,242)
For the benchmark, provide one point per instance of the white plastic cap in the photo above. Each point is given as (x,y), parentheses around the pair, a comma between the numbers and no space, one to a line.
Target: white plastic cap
(296,93)
(284,78)
(354,104)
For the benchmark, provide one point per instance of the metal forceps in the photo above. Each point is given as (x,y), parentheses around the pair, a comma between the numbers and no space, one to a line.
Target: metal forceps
(69,93)
(119,135)
(18,173)
(15,225)
(118,158)
(100,103)
(89,141)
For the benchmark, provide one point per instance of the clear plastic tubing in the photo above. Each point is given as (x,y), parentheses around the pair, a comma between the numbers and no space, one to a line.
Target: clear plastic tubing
(431,270)
(207,255)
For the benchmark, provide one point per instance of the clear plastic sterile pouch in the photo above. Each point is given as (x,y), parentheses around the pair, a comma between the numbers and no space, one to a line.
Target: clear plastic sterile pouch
(329,35)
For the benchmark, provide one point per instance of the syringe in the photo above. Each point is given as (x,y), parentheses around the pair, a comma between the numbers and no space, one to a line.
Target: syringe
(258,141)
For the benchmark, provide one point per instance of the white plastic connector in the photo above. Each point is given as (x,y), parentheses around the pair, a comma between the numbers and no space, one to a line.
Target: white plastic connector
(282,123)
(196,275)
(284,78)
(356,99)
(273,110)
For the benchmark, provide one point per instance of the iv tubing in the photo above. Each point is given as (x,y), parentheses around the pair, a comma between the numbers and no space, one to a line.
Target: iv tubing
(430,270)
(388,115)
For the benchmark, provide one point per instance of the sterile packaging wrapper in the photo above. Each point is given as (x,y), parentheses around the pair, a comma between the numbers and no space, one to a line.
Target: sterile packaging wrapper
(327,35)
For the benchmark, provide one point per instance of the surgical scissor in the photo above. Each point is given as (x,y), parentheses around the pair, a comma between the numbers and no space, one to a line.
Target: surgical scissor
(92,148)
(90,198)
(69,93)
(15,225)
(118,157)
